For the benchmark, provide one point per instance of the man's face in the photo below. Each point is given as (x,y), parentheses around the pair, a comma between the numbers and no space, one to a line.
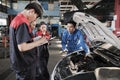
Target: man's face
(33,24)
(32,16)
(70,28)
(43,27)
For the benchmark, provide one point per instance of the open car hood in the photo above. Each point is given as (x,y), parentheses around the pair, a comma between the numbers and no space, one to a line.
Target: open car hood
(94,29)
(105,52)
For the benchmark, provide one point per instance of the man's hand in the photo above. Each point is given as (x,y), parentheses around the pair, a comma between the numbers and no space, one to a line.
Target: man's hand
(43,40)
(64,51)
(88,55)
(37,38)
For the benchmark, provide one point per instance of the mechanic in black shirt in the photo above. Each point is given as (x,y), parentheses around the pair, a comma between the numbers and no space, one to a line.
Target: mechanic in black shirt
(23,52)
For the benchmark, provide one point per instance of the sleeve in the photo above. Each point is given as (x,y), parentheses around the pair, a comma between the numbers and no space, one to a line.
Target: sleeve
(39,33)
(64,40)
(83,43)
(23,34)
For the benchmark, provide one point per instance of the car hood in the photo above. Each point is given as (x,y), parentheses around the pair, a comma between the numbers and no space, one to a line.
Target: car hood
(94,29)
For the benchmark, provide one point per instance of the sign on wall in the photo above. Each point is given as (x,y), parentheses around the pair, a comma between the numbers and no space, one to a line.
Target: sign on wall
(3,22)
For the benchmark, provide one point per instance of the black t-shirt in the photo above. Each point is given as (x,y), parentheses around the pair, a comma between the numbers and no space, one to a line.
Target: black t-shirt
(20,32)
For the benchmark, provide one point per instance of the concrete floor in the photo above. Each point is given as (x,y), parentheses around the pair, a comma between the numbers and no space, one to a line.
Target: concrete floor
(7,74)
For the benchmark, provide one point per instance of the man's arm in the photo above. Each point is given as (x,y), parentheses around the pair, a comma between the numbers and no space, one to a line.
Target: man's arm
(83,43)
(64,41)
(27,46)
(23,36)
(85,47)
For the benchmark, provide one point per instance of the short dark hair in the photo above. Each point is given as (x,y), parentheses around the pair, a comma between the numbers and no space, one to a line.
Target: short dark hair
(36,6)
(42,22)
(72,22)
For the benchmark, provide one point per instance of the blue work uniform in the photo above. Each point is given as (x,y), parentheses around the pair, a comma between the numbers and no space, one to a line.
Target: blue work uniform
(74,41)
(23,63)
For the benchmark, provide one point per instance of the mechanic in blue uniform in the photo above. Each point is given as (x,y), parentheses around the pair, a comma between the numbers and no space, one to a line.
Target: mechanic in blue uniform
(73,40)
(23,52)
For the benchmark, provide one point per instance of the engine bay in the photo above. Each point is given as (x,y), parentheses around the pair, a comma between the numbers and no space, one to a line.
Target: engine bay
(102,56)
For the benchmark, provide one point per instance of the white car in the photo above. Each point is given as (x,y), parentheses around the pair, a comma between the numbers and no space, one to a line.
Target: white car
(104,63)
